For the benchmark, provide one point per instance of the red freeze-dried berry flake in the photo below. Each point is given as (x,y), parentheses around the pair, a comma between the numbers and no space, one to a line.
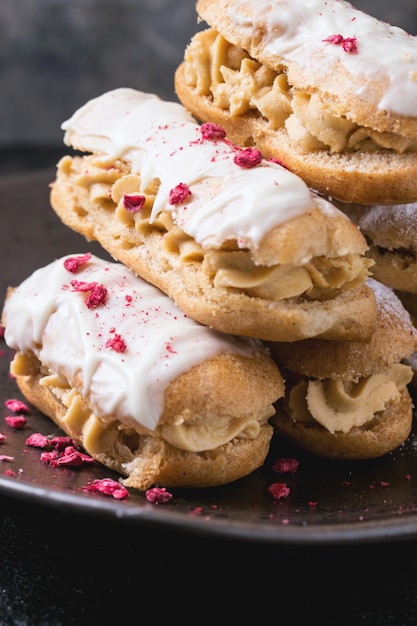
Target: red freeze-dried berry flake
(158,495)
(212,131)
(285,466)
(72,264)
(179,193)
(36,440)
(47,457)
(133,202)
(2,438)
(248,157)
(278,491)
(349,44)
(107,487)
(98,293)
(61,442)
(116,343)
(17,406)
(17,422)
(5,457)
(71,457)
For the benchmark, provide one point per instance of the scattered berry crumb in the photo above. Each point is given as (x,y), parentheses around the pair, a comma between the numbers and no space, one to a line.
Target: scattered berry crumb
(72,264)
(16,421)
(17,406)
(107,487)
(116,343)
(278,491)
(5,457)
(248,157)
(285,466)
(211,131)
(158,495)
(133,202)
(349,44)
(179,193)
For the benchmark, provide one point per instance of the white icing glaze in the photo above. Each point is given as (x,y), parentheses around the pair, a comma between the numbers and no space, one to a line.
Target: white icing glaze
(46,316)
(295,29)
(161,140)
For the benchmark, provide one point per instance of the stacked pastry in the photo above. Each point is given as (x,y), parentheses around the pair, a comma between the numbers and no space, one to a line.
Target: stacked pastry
(177,388)
(331,93)
(391,233)
(160,364)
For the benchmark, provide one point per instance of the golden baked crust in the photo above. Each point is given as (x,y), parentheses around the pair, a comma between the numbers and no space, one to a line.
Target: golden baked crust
(218,386)
(388,430)
(350,400)
(340,143)
(156,253)
(391,233)
(394,339)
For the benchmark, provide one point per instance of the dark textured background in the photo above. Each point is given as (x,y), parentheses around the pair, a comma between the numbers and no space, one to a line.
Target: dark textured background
(56,54)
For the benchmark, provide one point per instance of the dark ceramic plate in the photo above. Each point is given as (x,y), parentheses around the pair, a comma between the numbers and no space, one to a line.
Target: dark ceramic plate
(329,502)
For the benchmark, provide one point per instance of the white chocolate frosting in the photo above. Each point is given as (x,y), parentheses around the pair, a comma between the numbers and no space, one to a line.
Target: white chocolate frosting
(296,30)
(161,140)
(47,316)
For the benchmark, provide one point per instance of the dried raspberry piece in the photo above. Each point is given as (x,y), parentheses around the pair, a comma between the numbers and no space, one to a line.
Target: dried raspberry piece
(2,438)
(158,495)
(72,264)
(47,457)
(107,487)
(17,422)
(179,193)
(71,457)
(116,343)
(5,457)
(98,293)
(336,39)
(285,466)
(10,472)
(17,406)
(36,440)
(278,491)
(248,157)
(61,442)
(349,44)
(133,202)
(212,131)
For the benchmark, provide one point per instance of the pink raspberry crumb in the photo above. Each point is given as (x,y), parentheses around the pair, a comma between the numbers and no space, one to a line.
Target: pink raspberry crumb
(72,264)
(16,421)
(179,193)
(17,406)
(278,491)
(107,487)
(158,495)
(212,131)
(285,466)
(248,157)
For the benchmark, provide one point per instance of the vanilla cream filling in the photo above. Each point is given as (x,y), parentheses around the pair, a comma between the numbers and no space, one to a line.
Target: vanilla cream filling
(191,432)
(228,267)
(239,84)
(341,407)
